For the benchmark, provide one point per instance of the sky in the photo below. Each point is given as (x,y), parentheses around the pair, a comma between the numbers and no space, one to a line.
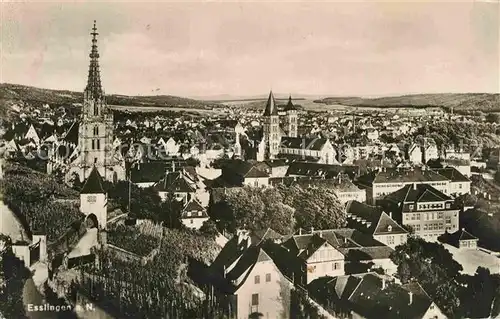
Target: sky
(247,48)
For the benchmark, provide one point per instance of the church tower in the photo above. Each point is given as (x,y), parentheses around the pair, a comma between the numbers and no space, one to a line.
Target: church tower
(271,128)
(96,126)
(291,118)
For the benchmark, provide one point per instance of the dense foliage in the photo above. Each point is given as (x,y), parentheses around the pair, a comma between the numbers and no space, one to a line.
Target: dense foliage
(466,134)
(283,209)
(31,196)
(254,208)
(145,203)
(434,268)
(13,275)
(314,207)
(440,275)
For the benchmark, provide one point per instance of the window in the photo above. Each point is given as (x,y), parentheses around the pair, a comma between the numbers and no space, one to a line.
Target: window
(390,240)
(93,144)
(191,221)
(447,205)
(268,277)
(257,279)
(96,109)
(91,199)
(96,130)
(255,299)
(98,144)
(410,207)
(335,266)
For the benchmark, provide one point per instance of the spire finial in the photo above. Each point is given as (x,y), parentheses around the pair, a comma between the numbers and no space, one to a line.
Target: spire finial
(94,88)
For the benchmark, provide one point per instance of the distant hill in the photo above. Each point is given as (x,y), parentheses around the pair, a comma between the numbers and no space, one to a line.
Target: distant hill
(461,102)
(15,94)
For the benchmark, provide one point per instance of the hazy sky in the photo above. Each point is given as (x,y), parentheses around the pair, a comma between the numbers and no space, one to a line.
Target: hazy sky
(211,48)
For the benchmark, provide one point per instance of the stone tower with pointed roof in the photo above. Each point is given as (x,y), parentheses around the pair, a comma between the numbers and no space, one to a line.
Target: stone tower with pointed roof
(89,142)
(291,118)
(271,128)
(93,199)
(96,126)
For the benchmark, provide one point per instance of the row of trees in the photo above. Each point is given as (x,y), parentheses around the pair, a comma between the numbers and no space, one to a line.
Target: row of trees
(457,295)
(282,208)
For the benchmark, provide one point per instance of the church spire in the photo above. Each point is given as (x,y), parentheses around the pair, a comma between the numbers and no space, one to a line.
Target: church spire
(94,88)
(271,106)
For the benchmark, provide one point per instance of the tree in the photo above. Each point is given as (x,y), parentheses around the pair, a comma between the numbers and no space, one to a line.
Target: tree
(480,294)
(316,207)
(170,212)
(434,268)
(255,208)
(13,275)
(144,202)
(209,228)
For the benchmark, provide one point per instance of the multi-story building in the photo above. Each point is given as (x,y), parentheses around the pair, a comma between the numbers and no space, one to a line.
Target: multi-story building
(388,180)
(428,211)
(459,183)
(319,254)
(375,222)
(249,276)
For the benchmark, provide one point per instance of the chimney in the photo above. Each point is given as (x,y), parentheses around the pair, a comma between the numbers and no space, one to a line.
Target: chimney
(312,229)
(414,186)
(225,271)
(173,166)
(383,283)
(300,231)
(411,297)
(320,234)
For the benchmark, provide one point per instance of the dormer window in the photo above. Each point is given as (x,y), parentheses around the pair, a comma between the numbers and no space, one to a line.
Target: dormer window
(410,207)
(448,205)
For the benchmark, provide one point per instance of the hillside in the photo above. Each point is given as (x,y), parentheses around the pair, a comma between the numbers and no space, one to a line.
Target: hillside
(14,94)
(461,102)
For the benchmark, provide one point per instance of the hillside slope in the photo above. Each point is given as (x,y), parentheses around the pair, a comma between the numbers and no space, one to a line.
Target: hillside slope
(15,94)
(485,102)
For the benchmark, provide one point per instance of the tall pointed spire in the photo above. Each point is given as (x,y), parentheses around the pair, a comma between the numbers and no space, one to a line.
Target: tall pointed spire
(271,106)
(94,88)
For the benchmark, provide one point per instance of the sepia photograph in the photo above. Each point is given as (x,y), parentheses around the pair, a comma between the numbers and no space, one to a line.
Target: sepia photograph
(250,159)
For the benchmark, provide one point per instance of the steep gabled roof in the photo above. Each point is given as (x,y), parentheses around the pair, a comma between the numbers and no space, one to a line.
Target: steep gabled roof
(174,182)
(452,174)
(71,136)
(271,108)
(418,193)
(314,144)
(456,237)
(193,205)
(93,185)
(371,220)
(289,106)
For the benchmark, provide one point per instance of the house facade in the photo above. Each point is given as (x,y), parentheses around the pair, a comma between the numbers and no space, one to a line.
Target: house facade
(429,212)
